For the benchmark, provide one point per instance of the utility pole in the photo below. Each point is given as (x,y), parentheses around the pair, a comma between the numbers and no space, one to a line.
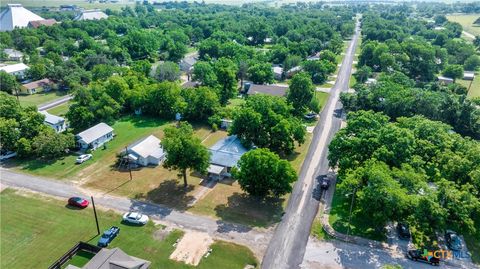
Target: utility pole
(128,163)
(95,213)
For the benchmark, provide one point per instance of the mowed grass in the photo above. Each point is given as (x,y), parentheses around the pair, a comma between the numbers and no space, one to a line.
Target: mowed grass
(36,231)
(466,20)
(60,110)
(80,3)
(127,130)
(339,219)
(40,98)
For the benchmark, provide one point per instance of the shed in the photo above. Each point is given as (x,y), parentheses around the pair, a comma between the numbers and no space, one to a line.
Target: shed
(445,80)
(277,72)
(468,75)
(95,136)
(146,151)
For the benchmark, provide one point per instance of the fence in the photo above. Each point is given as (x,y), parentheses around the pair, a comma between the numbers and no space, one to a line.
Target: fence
(67,256)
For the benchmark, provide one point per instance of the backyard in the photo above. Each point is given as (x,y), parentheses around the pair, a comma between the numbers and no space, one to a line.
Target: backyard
(40,98)
(475,85)
(38,230)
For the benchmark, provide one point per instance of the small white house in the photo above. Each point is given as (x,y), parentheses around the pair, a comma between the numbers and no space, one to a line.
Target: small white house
(57,123)
(17,70)
(13,55)
(95,136)
(89,15)
(146,151)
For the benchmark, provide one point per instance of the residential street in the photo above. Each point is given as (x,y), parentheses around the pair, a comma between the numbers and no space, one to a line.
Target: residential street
(287,247)
(255,239)
(55,102)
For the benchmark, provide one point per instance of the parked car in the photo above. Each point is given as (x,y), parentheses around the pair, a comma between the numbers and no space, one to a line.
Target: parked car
(135,218)
(310,116)
(417,255)
(453,240)
(325,183)
(403,230)
(78,202)
(108,236)
(83,158)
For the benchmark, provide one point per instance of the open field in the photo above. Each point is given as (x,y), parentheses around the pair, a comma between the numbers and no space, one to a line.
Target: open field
(466,20)
(60,110)
(38,230)
(40,98)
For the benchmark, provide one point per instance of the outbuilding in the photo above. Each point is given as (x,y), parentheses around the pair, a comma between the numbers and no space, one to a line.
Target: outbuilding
(13,55)
(468,75)
(95,136)
(445,80)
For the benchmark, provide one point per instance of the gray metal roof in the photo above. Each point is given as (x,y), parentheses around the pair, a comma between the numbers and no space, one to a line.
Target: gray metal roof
(227,152)
(273,90)
(95,132)
(148,146)
(52,119)
(91,15)
(115,259)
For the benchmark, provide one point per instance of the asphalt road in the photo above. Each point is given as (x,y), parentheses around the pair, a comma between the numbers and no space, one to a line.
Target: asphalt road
(287,247)
(256,239)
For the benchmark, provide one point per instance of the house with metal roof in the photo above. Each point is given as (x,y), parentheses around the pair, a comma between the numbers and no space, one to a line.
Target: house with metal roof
(468,75)
(224,155)
(186,64)
(277,72)
(445,80)
(47,22)
(17,70)
(16,16)
(95,136)
(273,90)
(93,14)
(36,86)
(114,258)
(55,122)
(146,151)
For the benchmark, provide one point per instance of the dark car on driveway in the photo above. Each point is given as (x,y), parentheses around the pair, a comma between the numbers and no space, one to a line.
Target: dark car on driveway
(108,236)
(78,202)
(417,255)
(325,183)
(453,240)
(403,231)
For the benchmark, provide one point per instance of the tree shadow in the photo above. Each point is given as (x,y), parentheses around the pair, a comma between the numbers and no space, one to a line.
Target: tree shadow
(145,121)
(247,210)
(171,193)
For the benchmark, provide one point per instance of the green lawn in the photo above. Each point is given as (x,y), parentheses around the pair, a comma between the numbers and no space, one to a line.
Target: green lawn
(40,98)
(466,20)
(36,231)
(127,129)
(60,110)
(339,216)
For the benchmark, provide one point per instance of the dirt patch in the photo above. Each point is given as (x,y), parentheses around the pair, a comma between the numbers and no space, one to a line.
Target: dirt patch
(192,247)
(161,234)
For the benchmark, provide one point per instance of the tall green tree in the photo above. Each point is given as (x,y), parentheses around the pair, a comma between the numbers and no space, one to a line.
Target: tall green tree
(226,70)
(300,92)
(262,173)
(184,150)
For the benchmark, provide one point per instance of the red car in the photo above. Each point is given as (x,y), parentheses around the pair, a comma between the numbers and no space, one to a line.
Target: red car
(78,202)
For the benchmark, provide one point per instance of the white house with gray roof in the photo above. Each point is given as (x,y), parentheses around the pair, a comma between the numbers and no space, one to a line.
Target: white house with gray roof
(224,155)
(88,15)
(146,151)
(95,136)
(17,70)
(55,122)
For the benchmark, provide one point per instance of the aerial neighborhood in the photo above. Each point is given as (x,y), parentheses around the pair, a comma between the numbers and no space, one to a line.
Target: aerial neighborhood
(258,134)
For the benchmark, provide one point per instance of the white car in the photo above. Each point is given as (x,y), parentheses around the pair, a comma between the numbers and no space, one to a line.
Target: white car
(84,157)
(135,218)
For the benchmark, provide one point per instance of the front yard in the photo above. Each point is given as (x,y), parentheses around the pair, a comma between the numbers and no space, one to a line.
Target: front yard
(40,98)
(37,230)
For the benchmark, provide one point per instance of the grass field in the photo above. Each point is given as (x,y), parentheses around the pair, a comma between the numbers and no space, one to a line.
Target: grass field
(60,110)
(339,216)
(466,20)
(40,98)
(38,230)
